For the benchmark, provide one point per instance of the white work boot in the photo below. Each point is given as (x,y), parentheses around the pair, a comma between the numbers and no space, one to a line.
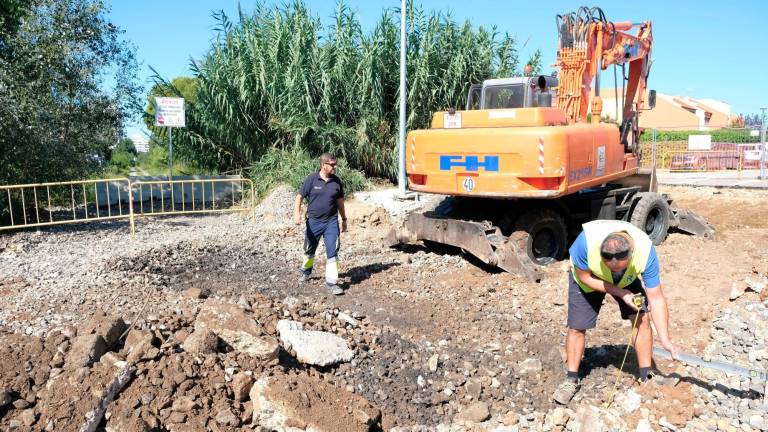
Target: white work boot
(334,289)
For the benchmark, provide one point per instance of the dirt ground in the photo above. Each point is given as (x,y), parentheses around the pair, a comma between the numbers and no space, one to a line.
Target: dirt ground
(498,338)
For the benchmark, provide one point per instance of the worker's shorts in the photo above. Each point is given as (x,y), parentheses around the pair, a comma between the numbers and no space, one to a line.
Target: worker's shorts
(583,307)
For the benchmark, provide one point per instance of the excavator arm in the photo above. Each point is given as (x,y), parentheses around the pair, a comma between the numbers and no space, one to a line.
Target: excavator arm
(588,45)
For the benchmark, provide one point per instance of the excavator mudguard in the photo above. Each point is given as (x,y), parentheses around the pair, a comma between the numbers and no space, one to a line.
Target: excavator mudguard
(481,239)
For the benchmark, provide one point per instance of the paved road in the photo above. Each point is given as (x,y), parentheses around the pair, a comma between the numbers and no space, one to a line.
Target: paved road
(743,179)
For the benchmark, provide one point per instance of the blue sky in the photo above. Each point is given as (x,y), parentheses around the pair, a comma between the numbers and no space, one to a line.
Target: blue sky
(702,49)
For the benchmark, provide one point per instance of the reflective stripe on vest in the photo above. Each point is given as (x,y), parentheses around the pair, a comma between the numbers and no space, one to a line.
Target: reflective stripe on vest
(595,232)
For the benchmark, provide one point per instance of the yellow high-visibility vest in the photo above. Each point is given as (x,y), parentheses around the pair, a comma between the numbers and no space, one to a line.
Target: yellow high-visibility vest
(595,232)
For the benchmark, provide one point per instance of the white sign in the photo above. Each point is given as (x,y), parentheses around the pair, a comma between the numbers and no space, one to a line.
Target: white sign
(468,184)
(452,121)
(600,161)
(699,142)
(752,155)
(169,112)
(754,132)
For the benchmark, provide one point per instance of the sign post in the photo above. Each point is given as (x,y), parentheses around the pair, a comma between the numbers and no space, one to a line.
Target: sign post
(169,112)
(762,146)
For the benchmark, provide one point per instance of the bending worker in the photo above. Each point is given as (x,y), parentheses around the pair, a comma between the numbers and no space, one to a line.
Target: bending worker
(325,194)
(616,258)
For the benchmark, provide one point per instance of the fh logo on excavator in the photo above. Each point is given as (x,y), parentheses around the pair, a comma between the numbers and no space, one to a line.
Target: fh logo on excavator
(470,163)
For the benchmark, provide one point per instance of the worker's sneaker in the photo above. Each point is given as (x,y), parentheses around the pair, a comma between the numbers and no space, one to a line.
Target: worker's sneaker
(565,391)
(303,278)
(335,289)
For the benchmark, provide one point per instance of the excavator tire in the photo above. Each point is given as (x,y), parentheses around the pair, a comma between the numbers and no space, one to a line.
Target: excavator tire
(651,214)
(542,235)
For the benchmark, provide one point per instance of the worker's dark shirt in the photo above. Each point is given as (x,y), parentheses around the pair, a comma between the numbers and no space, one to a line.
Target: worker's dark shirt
(322,196)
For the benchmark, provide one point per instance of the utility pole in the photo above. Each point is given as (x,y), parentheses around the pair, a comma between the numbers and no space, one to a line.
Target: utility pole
(762,146)
(401,142)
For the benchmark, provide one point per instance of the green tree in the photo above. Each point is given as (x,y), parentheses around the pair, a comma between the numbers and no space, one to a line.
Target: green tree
(57,115)
(122,157)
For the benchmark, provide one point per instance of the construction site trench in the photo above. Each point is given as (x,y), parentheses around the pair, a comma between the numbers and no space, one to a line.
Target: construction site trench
(195,313)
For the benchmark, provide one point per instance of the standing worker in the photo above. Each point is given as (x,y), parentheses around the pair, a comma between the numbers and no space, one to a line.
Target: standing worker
(325,194)
(612,257)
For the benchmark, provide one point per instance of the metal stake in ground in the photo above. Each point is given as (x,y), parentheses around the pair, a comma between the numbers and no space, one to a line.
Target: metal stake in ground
(717,365)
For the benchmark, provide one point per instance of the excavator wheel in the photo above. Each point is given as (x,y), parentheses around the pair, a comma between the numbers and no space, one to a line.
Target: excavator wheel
(651,214)
(542,235)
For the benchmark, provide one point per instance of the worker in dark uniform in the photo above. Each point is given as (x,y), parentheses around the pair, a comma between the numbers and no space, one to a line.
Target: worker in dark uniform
(325,195)
(616,258)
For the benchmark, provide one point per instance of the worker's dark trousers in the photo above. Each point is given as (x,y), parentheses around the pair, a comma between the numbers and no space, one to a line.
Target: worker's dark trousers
(328,229)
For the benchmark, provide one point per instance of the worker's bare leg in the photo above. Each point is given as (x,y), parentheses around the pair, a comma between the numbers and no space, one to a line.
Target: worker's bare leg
(575,341)
(644,341)
(574,348)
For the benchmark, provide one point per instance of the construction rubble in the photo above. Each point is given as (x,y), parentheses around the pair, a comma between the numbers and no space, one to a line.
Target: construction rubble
(201,324)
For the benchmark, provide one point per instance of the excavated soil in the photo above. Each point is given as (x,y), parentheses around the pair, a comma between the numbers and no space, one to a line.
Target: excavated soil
(496,337)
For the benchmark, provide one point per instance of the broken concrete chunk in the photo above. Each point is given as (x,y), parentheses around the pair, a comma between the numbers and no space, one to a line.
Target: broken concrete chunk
(237,328)
(736,291)
(184,404)
(226,417)
(530,365)
(475,413)
(85,350)
(143,350)
(241,386)
(28,417)
(5,397)
(314,347)
(757,287)
(432,362)
(193,293)
(311,404)
(348,319)
(135,336)
(109,327)
(110,358)
(201,341)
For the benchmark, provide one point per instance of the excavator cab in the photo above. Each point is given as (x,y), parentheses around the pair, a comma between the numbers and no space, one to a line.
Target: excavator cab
(517,92)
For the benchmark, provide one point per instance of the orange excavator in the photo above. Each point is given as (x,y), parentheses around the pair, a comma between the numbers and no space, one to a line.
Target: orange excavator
(530,158)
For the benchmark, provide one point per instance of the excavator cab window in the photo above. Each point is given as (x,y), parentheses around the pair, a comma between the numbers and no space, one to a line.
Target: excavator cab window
(473,98)
(504,96)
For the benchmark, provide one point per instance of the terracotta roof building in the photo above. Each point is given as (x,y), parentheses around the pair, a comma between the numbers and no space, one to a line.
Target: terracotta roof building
(674,112)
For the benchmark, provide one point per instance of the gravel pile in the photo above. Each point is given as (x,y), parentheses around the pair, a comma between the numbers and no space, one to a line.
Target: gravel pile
(276,209)
(739,336)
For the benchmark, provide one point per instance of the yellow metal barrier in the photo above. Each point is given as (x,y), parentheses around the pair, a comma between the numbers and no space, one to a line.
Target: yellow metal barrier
(663,150)
(58,200)
(56,203)
(173,197)
(705,160)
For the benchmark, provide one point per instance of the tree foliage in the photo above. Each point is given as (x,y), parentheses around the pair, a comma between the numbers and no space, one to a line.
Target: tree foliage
(67,81)
(279,79)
